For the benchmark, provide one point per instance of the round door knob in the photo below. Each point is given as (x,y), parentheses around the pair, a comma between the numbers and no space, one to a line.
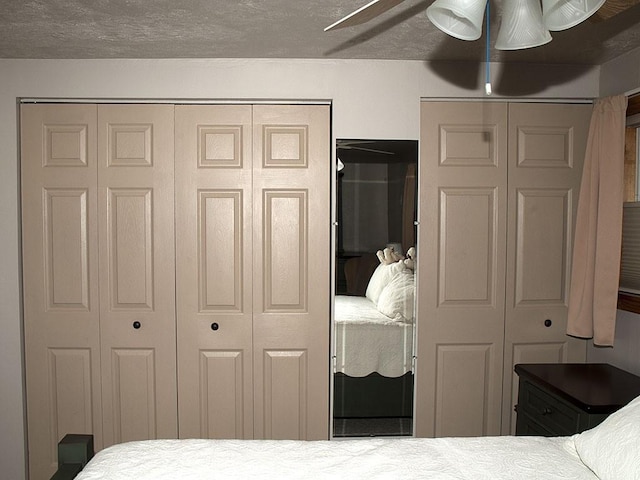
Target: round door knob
(137,325)
(548,323)
(215,326)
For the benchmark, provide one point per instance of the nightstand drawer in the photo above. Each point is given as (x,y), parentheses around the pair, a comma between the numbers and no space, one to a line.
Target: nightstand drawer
(525,425)
(551,413)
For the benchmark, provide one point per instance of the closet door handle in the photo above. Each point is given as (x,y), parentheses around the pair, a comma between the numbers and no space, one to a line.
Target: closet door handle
(137,325)
(215,326)
(548,323)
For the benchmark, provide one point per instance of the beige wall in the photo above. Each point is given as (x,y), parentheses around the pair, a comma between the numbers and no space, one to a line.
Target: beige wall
(621,75)
(625,352)
(371,99)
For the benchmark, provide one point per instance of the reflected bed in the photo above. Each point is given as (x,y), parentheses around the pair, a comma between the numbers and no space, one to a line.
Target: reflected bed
(374,346)
(373,362)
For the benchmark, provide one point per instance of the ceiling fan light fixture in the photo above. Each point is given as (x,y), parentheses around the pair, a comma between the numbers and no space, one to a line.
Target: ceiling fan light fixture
(563,14)
(461,19)
(522,26)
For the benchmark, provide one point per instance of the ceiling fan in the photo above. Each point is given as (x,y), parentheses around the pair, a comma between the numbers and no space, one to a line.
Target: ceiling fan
(463,18)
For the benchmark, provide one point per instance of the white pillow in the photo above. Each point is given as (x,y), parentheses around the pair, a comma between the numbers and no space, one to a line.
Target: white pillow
(382,275)
(612,449)
(397,298)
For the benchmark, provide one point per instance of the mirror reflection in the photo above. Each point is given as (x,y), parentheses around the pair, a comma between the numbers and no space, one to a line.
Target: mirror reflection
(375,287)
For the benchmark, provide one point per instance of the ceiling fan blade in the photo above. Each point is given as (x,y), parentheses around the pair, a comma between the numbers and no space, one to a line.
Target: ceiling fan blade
(364,14)
(350,143)
(363,149)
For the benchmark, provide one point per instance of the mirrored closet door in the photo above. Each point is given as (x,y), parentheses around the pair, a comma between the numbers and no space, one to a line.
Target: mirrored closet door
(376,199)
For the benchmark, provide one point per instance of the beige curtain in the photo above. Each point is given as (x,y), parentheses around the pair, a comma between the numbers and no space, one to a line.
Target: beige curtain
(596,252)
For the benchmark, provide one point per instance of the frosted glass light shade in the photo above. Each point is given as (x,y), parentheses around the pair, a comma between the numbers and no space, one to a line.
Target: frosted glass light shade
(522,26)
(562,14)
(459,18)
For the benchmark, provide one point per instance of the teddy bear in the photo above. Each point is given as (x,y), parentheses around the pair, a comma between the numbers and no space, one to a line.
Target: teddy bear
(410,261)
(388,256)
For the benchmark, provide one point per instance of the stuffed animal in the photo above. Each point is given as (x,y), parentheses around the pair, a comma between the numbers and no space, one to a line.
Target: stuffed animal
(410,261)
(388,256)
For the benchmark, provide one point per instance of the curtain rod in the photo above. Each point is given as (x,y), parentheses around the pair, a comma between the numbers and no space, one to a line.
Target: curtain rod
(183,101)
(507,100)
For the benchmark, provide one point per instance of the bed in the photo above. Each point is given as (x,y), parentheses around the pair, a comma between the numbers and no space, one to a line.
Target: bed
(374,346)
(610,451)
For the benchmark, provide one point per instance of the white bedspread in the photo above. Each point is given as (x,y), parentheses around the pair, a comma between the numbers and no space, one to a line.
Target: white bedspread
(486,458)
(368,341)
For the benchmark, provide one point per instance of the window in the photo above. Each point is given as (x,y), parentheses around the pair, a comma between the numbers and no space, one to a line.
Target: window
(629,292)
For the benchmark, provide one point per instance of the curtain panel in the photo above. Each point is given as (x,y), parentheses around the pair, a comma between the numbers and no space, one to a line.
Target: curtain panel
(596,253)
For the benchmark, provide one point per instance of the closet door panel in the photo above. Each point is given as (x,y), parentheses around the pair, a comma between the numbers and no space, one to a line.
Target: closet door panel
(469,365)
(467,244)
(137,271)
(133,393)
(222,394)
(130,238)
(542,246)
(60,278)
(66,252)
(285,274)
(546,152)
(291,271)
(285,400)
(220,215)
(214,270)
(461,269)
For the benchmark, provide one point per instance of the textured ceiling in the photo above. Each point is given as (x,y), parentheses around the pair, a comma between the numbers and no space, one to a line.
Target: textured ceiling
(275,29)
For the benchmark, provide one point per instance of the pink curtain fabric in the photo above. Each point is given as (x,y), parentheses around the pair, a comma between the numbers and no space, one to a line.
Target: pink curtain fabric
(596,253)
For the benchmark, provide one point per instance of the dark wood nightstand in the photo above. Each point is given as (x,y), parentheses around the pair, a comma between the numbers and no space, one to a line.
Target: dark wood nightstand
(556,399)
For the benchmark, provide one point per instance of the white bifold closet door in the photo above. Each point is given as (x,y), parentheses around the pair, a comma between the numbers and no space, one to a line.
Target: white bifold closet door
(98,275)
(499,184)
(547,143)
(137,272)
(292,263)
(214,270)
(60,278)
(252,191)
(461,255)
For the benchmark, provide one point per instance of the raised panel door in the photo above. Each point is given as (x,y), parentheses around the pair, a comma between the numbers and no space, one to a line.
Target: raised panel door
(291,248)
(60,278)
(214,270)
(461,263)
(546,152)
(137,271)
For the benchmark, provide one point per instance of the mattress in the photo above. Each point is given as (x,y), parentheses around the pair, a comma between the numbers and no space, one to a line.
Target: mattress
(368,341)
(484,458)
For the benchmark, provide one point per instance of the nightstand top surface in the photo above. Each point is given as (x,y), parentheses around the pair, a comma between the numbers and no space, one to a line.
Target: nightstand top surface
(593,387)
